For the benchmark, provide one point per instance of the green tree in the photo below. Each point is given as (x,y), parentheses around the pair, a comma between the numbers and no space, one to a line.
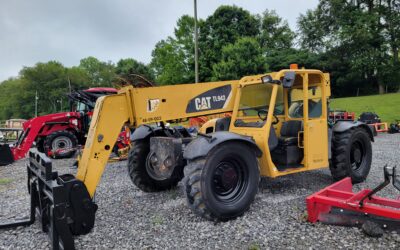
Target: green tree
(50,80)
(100,73)
(12,103)
(277,40)
(225,26)
(242,58)
(364,32)
(173,58)
(126,67)
(281,59)
(77,78)
(275,33)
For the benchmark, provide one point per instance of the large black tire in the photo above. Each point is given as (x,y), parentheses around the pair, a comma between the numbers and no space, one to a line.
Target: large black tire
(138,173)
(222,185)
(351,155)
(60,140)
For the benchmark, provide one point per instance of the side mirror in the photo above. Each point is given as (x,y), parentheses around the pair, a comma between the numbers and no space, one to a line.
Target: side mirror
(288,79)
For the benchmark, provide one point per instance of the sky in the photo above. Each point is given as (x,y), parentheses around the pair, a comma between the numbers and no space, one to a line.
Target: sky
(67,31)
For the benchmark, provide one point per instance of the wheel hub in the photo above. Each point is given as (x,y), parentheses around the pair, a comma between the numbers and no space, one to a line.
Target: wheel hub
(61,142)
(357,155)
(158,169)
(229,178)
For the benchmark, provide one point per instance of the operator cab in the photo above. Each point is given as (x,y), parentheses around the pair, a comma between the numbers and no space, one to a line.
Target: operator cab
(304,107)
(298,106)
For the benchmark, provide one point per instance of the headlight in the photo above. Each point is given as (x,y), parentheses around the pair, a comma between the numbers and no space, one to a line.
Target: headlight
(74,122)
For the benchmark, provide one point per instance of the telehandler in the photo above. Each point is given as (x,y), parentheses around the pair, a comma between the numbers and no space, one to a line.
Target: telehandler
(278,127)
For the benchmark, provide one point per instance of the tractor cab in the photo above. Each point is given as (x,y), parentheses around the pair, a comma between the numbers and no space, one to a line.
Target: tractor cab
(84,101)
(285,113)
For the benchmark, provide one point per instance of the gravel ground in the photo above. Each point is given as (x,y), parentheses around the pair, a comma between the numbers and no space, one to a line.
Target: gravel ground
(130,218)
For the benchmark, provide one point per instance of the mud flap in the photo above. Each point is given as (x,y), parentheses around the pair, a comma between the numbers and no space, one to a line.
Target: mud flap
(6,156)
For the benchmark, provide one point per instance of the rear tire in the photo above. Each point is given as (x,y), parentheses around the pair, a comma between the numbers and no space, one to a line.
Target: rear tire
(60,140)
(351,155)
(138,173)
(222,185)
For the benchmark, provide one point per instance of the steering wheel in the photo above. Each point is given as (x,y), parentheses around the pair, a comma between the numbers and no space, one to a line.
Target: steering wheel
(263,114)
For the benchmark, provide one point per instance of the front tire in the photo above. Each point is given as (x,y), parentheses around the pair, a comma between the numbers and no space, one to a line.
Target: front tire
(222,185)
(351,155)
(60,140)
(138,173)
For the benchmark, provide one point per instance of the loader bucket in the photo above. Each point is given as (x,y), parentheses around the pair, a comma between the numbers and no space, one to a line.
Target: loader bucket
(6,155)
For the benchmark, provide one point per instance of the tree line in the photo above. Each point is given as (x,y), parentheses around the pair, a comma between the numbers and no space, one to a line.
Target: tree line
(357,41)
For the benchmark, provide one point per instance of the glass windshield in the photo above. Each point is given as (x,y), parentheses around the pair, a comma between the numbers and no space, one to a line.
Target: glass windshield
(81,107)
(254,105)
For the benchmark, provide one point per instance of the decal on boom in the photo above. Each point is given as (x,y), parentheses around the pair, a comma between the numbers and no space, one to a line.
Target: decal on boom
(212,99)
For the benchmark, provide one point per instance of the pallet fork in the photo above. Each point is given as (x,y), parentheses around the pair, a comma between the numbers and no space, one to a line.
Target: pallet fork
(60,202)
(338,205)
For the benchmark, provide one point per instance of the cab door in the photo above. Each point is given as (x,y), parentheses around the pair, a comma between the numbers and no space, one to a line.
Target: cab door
(315,121)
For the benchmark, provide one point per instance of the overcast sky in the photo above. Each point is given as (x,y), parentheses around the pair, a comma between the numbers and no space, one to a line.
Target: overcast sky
(67,31)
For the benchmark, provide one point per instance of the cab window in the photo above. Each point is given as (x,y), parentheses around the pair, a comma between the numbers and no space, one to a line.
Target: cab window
(81,107)
(254,105)
(314,103)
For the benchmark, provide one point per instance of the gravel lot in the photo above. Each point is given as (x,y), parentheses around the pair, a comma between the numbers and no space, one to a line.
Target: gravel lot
(130,218)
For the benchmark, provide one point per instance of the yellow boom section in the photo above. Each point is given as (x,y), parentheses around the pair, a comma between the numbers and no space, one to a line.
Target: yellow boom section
(110,114)
(143,106)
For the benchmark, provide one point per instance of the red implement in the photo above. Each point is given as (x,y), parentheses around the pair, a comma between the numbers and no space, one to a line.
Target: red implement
(337,204)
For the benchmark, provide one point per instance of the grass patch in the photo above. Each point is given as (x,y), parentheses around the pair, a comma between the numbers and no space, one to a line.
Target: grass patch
(387,106)
(173,194)
(5,181)
(157,220)
(254,246)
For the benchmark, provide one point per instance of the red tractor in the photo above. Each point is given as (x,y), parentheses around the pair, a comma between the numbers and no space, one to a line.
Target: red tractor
(58,135)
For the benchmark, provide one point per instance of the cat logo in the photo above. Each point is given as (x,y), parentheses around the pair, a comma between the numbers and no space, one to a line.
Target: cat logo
(203,103)
(212,99)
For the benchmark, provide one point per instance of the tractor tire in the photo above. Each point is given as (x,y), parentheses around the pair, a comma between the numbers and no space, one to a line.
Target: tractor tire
(137,170)
(222,185)
(60,140)
(351,155)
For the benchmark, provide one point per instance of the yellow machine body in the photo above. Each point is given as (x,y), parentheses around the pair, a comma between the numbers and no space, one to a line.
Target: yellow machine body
(138,106)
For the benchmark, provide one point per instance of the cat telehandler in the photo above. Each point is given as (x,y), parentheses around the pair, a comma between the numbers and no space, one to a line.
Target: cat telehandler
(279,126)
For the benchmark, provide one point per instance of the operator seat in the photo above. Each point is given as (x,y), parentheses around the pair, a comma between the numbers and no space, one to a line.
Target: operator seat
(289,132)
(288,154)
(273,139)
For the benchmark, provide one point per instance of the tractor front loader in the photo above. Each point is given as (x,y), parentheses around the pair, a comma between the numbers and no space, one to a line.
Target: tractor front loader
(58,135)
(279,126)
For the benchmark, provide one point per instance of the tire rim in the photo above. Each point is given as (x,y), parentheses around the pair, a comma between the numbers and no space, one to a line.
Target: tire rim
(357,154)
(61,142)
(229,180)
(151,167)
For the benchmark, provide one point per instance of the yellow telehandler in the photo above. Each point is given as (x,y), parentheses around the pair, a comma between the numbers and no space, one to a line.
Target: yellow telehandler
(278,126)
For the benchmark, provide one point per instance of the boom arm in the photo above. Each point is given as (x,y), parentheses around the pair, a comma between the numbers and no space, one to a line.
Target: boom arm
(110,114)
(143,106)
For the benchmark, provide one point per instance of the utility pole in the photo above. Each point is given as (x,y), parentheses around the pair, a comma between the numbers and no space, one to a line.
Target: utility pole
(69,85)
(196,55)
(36,103)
